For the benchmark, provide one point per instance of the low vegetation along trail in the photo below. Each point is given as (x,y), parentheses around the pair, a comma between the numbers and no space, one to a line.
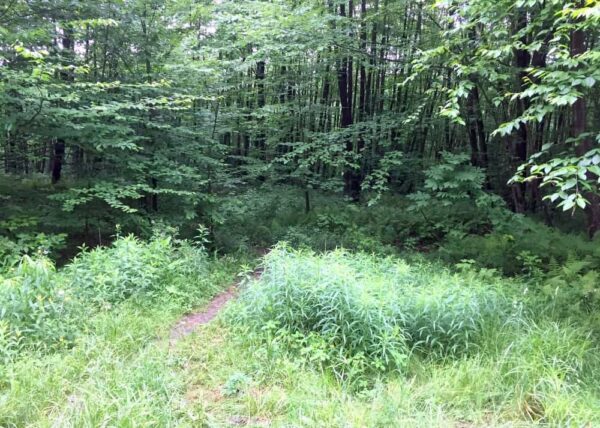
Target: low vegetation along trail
(191,322)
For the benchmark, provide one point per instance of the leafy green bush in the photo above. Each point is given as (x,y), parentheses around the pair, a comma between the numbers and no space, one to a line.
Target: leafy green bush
(575,286)
(18,237)
(264,216)
(328,229)
(255,217)
(41,308)
(449,182)
(377,310)
(453,201)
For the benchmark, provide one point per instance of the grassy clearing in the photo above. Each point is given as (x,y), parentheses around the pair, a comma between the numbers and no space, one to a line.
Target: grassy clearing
(115,375)
(473,347)
(119,373)
(335,339)
(116,368)
(233,383)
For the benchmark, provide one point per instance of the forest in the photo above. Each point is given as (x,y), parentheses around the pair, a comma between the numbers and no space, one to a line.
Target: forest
(299,213)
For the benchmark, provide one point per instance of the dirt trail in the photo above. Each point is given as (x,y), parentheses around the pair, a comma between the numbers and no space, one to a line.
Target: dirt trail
(191,322)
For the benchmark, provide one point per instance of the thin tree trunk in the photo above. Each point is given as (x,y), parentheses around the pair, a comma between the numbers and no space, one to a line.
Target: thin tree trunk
(578,127)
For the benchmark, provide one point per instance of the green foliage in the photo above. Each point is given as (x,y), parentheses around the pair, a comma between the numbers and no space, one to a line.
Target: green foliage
(263,216)
(450,182)
(235,384)
(114,374)
(467,351)
(19,237)
(120,119)
(357,313)
(509,248)
(513,69)
(571,288)
(571,177)
(453,201)
(38,309)
(11,250)
(42,309)
(132,268)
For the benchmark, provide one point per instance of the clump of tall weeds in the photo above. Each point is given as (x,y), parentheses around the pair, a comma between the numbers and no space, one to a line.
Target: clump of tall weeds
(359,313)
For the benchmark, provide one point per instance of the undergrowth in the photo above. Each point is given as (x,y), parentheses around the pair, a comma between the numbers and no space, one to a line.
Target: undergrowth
(358,314)
(44,309)
(482,347)
(83,346)
(377,334)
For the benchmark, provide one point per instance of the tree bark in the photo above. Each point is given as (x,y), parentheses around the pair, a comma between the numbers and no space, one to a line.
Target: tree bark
(57,160)
(520,139)
(578,127)
(352,180)
(260,101)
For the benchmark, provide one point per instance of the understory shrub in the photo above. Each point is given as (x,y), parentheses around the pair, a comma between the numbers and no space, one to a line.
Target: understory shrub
(357,305)
(37,308)
(572,288)
(510,249)
(18,237)
(263,217)
(270,214)
(561,270)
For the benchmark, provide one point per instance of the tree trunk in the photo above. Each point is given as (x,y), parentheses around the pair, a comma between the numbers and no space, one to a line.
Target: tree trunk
(260,100)
(520,139)
(352,179)
(58,152)
(57,160)
(578,127)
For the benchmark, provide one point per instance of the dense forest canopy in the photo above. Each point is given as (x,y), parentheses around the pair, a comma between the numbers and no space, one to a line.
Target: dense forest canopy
(148,109)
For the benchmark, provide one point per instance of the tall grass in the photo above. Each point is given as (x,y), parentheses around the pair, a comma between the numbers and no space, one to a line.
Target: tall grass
(118,303)
(376,310)
(531,374)
(414,344)
(466,345)
(43,309)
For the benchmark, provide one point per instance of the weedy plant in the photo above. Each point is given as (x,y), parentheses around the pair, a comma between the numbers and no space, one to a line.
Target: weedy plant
(36,308)
(42,309)
(131,268)
(357,313)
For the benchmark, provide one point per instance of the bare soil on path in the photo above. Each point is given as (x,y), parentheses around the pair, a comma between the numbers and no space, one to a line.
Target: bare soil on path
(191,322)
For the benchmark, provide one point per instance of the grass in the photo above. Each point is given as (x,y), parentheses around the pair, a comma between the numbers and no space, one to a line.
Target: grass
(357,313)
(116,376)
(474,348)
(119,370)
(483,390)
(304,346)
